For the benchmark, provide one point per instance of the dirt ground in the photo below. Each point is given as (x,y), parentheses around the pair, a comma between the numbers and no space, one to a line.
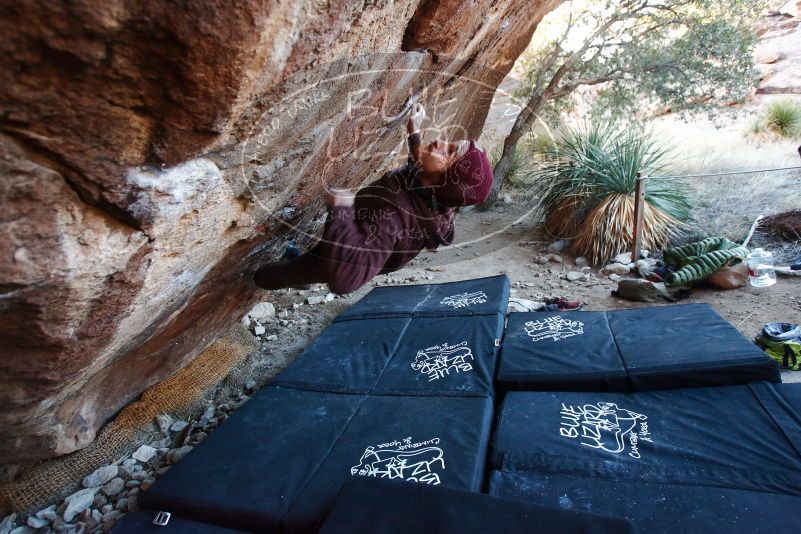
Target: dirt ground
(507,240)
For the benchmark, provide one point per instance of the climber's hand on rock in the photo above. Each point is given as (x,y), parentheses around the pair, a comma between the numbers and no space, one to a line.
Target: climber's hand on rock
(339,197)
(416,116)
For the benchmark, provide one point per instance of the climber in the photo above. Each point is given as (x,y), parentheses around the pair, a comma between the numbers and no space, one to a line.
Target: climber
(386,224)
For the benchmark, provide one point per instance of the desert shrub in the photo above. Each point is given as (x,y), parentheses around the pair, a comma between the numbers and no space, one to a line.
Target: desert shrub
(781,118)
(586,184)
(519,170)
(537,143)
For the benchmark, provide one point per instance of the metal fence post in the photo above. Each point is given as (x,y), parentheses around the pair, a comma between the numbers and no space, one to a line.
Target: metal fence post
(639,207)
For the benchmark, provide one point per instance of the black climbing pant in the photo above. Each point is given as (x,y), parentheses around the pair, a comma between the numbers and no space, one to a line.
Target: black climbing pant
(304,270)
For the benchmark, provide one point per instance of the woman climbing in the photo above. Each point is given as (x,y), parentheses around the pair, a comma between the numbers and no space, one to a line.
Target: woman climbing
(386,224)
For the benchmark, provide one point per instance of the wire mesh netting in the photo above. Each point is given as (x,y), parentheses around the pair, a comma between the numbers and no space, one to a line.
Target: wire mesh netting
(180,395)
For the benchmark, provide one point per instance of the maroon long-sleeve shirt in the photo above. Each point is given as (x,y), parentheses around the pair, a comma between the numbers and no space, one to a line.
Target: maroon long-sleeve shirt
(391,221)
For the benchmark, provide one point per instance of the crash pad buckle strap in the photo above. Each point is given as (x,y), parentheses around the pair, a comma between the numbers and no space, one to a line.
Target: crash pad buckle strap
(162,518)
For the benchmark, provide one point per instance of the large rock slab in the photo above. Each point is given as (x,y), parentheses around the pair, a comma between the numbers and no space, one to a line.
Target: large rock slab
(151,156)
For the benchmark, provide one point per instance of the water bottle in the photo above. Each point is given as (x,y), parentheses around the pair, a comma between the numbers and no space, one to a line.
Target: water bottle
(761,272)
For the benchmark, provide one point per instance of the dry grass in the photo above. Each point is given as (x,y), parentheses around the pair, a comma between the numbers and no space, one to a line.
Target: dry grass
(607,230)
(728,205)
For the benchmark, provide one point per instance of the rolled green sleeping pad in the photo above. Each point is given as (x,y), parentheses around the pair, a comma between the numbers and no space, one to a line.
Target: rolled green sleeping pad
(698,261)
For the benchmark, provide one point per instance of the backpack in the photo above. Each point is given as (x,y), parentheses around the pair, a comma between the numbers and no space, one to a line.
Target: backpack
(782,342)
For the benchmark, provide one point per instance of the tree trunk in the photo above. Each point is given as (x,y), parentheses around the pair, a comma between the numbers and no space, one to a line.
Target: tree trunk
(524,121)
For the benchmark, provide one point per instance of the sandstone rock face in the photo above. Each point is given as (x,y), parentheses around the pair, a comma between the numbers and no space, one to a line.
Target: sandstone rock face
(153,155)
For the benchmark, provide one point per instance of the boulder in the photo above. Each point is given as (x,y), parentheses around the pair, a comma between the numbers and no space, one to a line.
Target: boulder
(155,154)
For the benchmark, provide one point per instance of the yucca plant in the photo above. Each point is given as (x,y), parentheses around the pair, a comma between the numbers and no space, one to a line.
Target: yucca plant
(586,186)
(783,117)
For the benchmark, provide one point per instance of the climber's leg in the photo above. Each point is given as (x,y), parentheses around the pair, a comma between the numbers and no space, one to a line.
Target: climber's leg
(301,271)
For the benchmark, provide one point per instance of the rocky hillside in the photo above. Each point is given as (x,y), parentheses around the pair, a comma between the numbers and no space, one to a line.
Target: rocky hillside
(152,156)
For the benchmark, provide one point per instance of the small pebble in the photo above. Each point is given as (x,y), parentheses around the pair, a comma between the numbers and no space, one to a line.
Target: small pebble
(50,515)
(78,502)
(144,453)
(113,487)
(100,500)
(176,455)
(37,523)
(122,505)
(163,421)
(113,514)
(161,443)
(133,505)
(100,476)
(178,426)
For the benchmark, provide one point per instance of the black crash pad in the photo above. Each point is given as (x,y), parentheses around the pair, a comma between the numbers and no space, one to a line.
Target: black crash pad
(280,460)
(139,522)
(401,356)
(444,356)
(247,472)
(480,296)
(638,349)
(347,357)
(430,440)
(739,437)
(371,506)
(657,508)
